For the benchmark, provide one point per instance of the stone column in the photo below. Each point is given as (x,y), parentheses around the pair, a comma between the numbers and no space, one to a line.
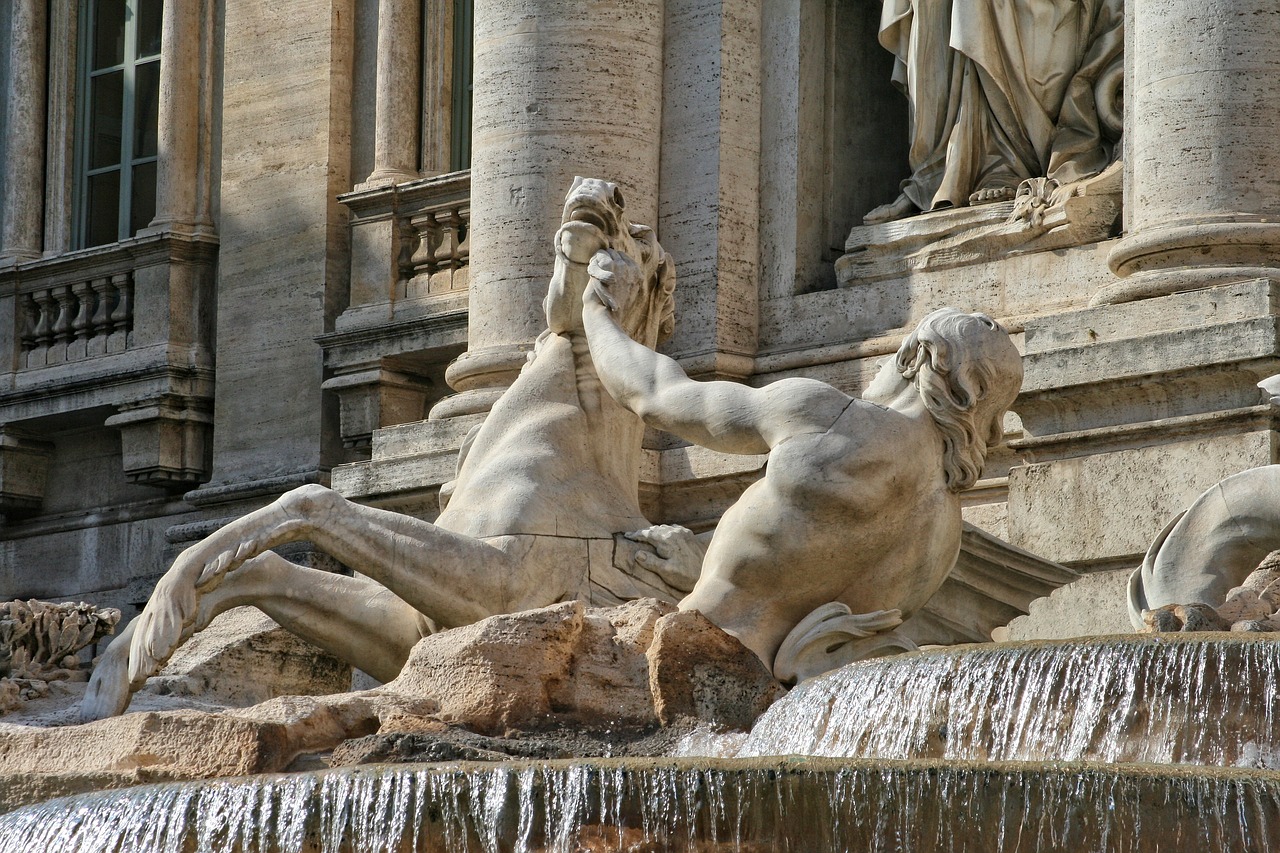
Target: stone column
(24,126)
(1202,159)
(396,138)
(179,116)
(561,88)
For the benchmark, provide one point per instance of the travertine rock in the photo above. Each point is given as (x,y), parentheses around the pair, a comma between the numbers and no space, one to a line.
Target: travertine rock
(40,642)
(244,657)
(697,671)
(1183,617)
(549,682)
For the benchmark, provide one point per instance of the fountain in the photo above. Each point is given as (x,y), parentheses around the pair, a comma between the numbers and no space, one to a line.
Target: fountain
(1116,743)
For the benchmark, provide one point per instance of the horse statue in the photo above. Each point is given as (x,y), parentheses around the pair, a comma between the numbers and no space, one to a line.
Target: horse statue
(541,490)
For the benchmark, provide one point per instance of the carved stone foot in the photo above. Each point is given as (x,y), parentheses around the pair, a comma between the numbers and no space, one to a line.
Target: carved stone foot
(989,195)
(109,689)
(900,208)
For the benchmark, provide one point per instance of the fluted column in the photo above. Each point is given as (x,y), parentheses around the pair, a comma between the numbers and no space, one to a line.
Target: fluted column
(179,116)
(1202,159)
(24,129)
(561,88)
(395,135)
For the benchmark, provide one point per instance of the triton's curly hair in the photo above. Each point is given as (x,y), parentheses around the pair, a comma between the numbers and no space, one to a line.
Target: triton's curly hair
(968,373)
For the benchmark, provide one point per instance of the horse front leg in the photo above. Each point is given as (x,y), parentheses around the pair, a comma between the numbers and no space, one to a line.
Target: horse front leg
(451,578)
(353,618)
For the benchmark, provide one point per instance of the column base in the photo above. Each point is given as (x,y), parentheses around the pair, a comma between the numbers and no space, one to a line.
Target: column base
(1155,283)
(480,377)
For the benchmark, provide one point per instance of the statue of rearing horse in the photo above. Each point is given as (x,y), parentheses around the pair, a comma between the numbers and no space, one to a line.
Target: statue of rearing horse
(553,470)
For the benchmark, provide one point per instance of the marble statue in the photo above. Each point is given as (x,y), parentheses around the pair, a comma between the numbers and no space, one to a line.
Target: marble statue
(554,468)
(860,501)
(1205,553)
(1003,93)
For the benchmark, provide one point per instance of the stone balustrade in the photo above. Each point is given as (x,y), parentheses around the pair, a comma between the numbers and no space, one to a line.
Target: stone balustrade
(438,232)
(407,314)
(125,330)
(68,322)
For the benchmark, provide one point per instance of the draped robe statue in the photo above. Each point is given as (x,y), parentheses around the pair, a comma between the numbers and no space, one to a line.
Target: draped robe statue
(1001,92)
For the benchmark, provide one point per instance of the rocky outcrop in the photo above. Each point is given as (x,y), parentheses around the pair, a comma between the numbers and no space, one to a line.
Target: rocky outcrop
(1253,607)
(562,680)
(40,642)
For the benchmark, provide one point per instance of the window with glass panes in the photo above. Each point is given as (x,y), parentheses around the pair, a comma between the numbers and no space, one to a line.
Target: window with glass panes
(116,129)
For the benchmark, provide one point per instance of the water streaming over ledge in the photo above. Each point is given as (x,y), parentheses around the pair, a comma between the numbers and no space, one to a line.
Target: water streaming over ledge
(1172,699)
(812,805)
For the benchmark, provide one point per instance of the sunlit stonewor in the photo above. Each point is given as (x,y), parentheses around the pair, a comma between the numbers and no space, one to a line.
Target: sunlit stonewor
(308,371)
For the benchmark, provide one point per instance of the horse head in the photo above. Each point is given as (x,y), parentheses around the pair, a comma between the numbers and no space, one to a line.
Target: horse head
(595,219)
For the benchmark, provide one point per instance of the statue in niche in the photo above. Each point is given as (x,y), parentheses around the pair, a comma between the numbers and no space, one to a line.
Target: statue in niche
(1002,94)
(553,469)
(856,522)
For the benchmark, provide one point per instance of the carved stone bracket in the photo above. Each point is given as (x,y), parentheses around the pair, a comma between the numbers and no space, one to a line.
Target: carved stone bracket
(165,441)
(24,462)
(370,399)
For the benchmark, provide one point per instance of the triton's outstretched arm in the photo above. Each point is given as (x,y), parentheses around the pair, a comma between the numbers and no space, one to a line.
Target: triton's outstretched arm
(724,416)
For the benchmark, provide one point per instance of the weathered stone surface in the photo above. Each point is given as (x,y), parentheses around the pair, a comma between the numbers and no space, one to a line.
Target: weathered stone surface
(1092,605)
(561,681)
(243,658)
(534,669)
(447,743)
(697,671)
(1095,493)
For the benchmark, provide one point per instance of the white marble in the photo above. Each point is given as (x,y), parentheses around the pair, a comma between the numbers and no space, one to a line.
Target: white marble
(1002,93)
(554,466)
(860,502)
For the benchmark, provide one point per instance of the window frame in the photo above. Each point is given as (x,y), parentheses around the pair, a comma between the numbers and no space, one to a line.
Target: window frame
(126,163)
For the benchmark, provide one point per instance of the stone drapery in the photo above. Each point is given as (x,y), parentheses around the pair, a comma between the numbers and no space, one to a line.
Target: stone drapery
(1003,90)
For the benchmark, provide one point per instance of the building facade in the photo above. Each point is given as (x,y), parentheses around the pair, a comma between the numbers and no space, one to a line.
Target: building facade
(248,246)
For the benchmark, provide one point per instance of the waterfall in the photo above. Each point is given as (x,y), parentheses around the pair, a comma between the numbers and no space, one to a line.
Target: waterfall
(1137,699)
(668,805)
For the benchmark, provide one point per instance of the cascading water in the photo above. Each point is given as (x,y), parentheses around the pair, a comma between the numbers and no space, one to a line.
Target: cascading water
(1168,699)
(810,805)
(960,749)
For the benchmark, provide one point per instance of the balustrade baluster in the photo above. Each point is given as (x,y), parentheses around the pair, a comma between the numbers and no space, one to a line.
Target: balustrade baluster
(462,254)
(122,317)
(44,326)
(81,325)
(30,320)
(424,257)
(102,295)
(452,240)
(62,326)
(407,239)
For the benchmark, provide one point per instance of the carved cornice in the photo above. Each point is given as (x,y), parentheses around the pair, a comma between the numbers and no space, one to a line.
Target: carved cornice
(126,255)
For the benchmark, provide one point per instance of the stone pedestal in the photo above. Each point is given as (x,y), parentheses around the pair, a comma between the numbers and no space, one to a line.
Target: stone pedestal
(561,89)
(1202,147)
